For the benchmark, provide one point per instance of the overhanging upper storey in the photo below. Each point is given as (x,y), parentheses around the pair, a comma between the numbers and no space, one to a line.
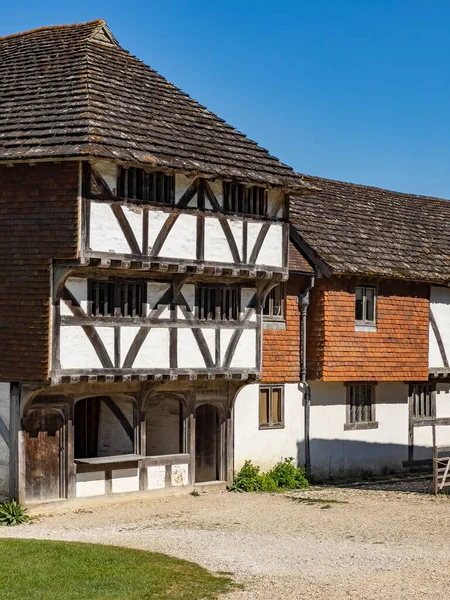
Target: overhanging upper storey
(164,219)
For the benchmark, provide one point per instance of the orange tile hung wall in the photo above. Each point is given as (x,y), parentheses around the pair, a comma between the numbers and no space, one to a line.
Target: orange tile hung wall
(281,347)
(397,351)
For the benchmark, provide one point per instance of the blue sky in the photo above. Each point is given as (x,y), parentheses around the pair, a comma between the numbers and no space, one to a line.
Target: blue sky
(356,90)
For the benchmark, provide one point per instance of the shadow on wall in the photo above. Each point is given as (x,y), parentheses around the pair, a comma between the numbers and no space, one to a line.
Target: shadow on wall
(348,458)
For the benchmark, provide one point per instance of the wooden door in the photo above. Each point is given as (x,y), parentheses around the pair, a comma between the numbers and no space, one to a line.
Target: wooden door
(43,454)
(207,443)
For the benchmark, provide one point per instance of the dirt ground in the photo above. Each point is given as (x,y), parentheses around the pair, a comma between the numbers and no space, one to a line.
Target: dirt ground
(368,542)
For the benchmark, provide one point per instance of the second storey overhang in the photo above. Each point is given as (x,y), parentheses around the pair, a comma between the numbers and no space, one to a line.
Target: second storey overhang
(193,226)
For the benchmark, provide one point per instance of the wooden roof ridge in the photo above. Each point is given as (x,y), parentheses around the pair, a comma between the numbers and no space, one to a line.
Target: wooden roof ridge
(97,23)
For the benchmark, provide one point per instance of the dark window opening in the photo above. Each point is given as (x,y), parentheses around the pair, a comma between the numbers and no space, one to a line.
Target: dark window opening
(138,184)
(271,407)
(103,426)
(164,425)
(239,198)
(360,400)
(218,303)
(275,303)
(114,298)
(421,398)
(365,305)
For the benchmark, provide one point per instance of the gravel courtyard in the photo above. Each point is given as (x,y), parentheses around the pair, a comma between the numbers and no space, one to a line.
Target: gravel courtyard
(367,542)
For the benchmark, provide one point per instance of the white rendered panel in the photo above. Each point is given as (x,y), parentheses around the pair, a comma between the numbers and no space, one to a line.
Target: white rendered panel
(246,297)
(90,484)
(180,475)
(245,353)
(125,480)
(78,287)
(155,291)
(156,220)
(77,352)
(275,201)
(134,216)
(105,232)
(181,241)
(154,352)
(271,252)
(189,354)
(225,337)
(217,189)
(108,172)
(253,229)
(217,248)
(440,307)
(156,477)
(182,183)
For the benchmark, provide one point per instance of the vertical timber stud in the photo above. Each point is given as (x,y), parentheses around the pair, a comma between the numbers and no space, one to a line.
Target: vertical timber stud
(70,452)
(412,390)
(16,483)
(229,448)
(191,436)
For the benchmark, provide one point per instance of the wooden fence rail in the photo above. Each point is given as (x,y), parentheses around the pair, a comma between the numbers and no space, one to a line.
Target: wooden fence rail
(441,473)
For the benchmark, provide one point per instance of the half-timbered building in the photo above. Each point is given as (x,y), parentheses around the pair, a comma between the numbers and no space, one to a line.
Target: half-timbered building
(375,395)
(141,236)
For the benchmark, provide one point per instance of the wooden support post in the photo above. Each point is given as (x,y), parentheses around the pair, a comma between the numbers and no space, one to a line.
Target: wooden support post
(15,441)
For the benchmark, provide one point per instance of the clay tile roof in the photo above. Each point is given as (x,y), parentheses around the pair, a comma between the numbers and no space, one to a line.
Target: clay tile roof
(297,262)
(361,230)
(72,91)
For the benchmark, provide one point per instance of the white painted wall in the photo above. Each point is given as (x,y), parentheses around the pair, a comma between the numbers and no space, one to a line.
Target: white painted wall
(4,439)
(265,447)
(76,350)
(334,451)
(440,306)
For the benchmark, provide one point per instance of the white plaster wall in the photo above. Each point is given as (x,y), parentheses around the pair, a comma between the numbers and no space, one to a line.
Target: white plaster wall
(265,447)
(336,452)
(253,229)
(112,437)
(108,172)
(189,355)
(271,252)
(156,220)
(90,484)
(105,232)
(77,352)
(181,241)
(217,188)
(245,353)
(443,402)
(78,287)
(4,447)
(246,297)
(155,291)
(156,477)
(181,185)
(275,201)
(217,248)
(179,475)
(440,306)
(125,480)
(154,353)
(225,337)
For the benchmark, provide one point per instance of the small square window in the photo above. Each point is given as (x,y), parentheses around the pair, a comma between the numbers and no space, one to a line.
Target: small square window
(361,406)
(365,306)
(271,407)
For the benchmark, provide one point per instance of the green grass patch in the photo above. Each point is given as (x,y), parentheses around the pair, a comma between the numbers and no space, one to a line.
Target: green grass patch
(47,570)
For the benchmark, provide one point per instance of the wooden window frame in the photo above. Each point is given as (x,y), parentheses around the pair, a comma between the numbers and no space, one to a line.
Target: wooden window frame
(117,285)
(150,187)
(429,406)
(242,199)
(364,322)
(220,290)
(350,424)
(271,424)
(269,316)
